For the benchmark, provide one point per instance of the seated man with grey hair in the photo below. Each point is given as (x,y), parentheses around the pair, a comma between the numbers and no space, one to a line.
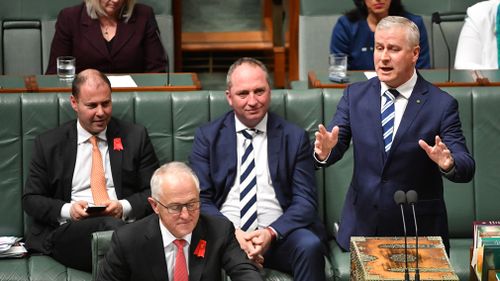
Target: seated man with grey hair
(164,244)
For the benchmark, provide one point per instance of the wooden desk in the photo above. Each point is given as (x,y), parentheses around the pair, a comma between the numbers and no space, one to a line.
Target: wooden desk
(145,82)
(438,77)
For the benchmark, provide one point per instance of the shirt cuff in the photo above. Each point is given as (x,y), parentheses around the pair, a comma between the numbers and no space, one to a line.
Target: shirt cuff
(319,161)
(127,209)
(65,213)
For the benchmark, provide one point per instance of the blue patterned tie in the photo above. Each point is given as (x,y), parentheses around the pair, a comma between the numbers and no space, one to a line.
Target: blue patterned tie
(387,116)
(248,184)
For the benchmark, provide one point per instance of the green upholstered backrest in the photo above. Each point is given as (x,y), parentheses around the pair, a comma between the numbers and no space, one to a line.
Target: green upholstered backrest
(459,197)
(486,146)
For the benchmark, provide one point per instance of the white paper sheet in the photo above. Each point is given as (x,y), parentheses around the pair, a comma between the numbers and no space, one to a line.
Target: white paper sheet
(120,81)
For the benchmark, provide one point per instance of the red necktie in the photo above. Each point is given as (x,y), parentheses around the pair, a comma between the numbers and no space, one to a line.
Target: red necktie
(180,267)
(97,179)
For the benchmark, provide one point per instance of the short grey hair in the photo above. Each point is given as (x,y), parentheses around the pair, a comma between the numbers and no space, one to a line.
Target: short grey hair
(412,32)
(250,61)
(94,9)
(170,169)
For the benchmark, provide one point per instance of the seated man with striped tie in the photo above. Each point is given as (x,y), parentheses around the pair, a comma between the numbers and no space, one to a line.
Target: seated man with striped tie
(406,135)
(95,160)
(177,243)
(256,170)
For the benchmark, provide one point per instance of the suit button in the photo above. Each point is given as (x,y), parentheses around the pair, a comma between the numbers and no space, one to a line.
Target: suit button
(384,180)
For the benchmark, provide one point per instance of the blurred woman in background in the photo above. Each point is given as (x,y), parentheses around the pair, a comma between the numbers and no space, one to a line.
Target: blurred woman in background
(353,34)
(113,36)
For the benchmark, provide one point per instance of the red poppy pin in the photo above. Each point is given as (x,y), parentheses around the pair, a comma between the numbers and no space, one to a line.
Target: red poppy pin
(117,144)
(200,249)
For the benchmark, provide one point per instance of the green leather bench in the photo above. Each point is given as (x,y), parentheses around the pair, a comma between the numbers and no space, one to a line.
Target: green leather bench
(171,119)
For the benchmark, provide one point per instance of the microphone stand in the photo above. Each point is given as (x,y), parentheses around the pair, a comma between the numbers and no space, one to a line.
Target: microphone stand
(407,274)
(166,58)
(436,17)
(417,271)
(412,198)
(400,199)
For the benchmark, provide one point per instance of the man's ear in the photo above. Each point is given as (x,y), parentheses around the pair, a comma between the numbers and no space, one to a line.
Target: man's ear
(153,204)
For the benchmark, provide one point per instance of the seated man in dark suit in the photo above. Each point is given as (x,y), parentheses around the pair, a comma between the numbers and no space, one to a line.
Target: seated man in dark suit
(94,160)
(159,247)
(256,170)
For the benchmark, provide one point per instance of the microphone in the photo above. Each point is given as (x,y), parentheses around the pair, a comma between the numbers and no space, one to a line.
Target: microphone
(436,18)
(412,198)
(166,57)
(400,199)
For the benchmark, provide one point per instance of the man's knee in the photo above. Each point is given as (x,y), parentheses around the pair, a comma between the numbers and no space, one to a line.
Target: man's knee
(109,223)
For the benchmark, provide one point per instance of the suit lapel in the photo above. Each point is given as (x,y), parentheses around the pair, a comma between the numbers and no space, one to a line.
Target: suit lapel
(154,252)
(228,141)
(196,264)
(274,137)
(92,33)
(69,159)
(115,156)
(415,103)
(124,31)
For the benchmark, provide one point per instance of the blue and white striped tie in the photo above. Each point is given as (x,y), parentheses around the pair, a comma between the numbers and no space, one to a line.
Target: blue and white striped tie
(248,185)
(387,116)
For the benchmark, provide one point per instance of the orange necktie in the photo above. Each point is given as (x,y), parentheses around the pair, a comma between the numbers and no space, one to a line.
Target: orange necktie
(97,179)
(180,268)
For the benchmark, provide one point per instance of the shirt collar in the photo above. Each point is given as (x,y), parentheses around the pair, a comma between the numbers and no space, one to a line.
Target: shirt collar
(404,89)
(84,135)
(261,126)
(168,237)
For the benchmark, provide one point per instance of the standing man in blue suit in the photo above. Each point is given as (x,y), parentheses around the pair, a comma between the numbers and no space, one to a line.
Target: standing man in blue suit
(256,170)
(423,143)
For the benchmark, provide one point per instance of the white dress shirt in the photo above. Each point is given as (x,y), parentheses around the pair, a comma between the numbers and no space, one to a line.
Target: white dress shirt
(477,44)
(401,101)
(170,249)
(268,207)
(81,175)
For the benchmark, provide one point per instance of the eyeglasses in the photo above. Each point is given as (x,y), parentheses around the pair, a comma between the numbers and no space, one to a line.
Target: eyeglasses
(176,209)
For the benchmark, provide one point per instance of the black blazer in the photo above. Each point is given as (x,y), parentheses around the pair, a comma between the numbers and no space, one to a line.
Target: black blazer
(137,253)
(49,181)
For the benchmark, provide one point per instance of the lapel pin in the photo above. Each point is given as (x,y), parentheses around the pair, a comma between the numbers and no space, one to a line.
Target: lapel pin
(418,101)
(117,144)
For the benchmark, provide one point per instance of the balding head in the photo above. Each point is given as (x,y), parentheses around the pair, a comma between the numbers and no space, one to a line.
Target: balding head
(91,78)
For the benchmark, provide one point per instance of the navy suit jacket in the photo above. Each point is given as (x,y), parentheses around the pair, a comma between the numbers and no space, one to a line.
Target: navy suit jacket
(369,208)
(136,46)
(291,166)
(49,183)
(137,253)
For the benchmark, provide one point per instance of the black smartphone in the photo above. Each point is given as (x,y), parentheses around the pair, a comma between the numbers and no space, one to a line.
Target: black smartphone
(95,209)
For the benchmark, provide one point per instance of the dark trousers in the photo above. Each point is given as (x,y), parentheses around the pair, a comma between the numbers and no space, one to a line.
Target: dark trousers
(301,254)
(70,243)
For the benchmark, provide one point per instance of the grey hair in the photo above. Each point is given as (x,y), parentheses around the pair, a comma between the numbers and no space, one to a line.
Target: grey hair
(412,32)
(94,9)
(170,169)
(250,61)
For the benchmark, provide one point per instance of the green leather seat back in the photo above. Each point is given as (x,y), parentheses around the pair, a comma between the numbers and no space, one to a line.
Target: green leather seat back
(459,197)
(21,47)
(486,148)
(11,183)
